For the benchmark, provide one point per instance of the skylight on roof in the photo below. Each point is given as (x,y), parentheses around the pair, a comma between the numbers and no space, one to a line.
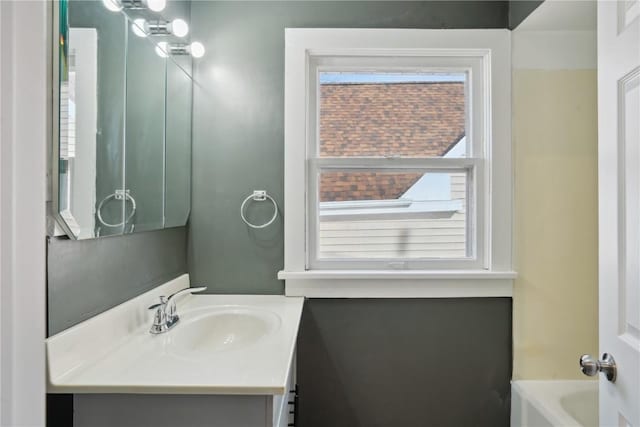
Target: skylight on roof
(338,77)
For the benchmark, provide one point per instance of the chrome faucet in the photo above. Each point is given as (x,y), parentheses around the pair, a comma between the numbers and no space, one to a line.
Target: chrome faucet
(166,315)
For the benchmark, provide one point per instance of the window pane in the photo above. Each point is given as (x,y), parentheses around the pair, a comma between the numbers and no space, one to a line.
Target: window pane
(393,215)
(392,114)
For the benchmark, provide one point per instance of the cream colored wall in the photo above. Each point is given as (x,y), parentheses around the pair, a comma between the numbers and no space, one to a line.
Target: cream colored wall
(555,302)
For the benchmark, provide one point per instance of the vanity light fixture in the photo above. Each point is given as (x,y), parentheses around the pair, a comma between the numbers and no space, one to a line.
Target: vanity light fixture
(156,5)
(195,49)
(179,27)
(143,28)
(118,5)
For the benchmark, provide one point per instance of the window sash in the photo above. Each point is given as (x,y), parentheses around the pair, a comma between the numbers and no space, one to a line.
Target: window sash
(474,230)
(477,116)
(394,162)
(477,97)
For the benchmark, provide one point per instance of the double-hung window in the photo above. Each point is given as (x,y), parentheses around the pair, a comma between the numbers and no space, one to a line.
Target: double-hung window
(397,153)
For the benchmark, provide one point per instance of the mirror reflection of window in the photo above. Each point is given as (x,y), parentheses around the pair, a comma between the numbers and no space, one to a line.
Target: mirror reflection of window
(78,130)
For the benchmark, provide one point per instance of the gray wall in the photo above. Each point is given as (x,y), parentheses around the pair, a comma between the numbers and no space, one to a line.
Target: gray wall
(520,9)
(238,119)
(405,362)
(87,277)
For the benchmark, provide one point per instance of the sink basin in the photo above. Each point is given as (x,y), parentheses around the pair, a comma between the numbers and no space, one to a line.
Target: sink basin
(203,332)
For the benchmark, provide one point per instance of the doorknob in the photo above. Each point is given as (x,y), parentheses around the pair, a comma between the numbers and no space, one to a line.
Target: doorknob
(590,366)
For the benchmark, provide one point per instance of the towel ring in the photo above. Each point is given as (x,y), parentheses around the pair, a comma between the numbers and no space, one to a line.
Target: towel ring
(259,196)
(118,195)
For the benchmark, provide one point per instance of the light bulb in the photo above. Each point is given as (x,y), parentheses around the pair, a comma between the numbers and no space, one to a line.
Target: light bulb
(162,50)
(197,49)
(112,5)
(179,27)
(156,5)
(138,27)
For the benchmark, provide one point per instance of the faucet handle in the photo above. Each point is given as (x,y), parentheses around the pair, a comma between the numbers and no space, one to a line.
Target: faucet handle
(172,316)
(160,317)
(186,291)
(163,302)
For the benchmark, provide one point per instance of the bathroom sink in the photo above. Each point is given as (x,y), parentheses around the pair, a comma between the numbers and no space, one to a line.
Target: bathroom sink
(222,344)
(203,332)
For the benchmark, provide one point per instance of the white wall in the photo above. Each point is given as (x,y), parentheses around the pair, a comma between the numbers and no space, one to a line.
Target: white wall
(24,43)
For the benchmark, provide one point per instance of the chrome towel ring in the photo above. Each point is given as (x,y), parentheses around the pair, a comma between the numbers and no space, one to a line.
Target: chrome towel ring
(117,195)
(259,196)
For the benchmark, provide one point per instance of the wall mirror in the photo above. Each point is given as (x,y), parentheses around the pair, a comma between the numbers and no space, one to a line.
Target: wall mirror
(121,158)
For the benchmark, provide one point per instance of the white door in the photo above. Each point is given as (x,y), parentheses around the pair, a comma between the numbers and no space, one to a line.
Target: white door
(619,207)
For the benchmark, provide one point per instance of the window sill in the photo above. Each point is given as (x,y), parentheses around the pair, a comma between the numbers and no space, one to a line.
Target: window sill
(398,284)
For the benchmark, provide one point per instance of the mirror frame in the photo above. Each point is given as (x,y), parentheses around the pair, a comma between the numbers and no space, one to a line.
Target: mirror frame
(55,127)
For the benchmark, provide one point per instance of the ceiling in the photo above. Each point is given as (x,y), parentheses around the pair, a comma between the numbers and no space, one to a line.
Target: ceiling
(558,15)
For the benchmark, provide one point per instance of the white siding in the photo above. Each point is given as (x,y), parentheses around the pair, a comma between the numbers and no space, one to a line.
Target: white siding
(458,186)
(413,238)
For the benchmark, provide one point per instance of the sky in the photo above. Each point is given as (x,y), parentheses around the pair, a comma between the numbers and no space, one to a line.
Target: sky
(331,77)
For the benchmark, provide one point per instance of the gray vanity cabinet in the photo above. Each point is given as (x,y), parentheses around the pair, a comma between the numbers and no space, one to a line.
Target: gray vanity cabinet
(183,410)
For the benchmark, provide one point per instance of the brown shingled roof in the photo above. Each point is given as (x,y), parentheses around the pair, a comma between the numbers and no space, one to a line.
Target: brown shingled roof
(346,186)
(406,119)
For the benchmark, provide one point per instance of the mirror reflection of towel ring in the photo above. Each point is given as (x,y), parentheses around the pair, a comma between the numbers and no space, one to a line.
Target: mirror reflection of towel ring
(118,195)
(259,196)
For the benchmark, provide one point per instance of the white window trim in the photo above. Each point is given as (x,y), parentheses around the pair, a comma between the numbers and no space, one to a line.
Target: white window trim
(494,277)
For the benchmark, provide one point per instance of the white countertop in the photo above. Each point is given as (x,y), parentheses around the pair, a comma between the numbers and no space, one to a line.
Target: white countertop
(115,353)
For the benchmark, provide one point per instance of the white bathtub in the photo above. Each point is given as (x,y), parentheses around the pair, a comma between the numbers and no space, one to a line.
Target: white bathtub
(554,403)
